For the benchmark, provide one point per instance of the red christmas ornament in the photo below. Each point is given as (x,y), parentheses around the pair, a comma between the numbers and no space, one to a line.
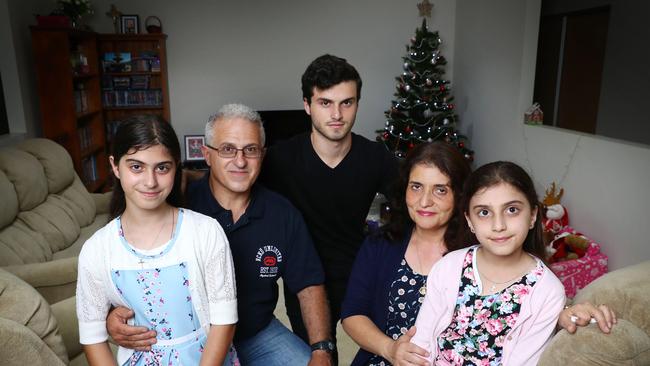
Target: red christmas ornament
(411,145)
(451,106)
(442,88)
(407,129)
(385,135)
(461,145)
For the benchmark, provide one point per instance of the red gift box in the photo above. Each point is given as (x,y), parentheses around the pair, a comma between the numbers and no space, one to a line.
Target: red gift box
(578,273)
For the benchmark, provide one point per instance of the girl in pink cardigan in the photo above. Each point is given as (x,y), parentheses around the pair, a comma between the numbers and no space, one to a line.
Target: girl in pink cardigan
(495,303)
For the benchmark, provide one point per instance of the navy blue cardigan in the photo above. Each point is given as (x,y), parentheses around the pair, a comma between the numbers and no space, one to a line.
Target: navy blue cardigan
(369,285)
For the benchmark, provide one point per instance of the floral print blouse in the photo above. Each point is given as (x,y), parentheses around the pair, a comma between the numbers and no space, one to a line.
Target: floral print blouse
(481,323)
(405,298)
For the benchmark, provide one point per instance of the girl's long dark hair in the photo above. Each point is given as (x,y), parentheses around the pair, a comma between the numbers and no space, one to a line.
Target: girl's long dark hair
(138,133)
(510,173)
(451,163)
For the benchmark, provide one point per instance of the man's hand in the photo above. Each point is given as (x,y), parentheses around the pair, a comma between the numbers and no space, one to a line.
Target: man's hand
(583,313)
(127,336)
(404,353)
(320,358)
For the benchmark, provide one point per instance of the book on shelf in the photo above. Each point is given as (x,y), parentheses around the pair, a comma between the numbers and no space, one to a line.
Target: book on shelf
(117,62)
(121,82)
(80,99)
(85,137)
(155,65)
(111,128)
(89,169)
(140,82)
(132,98)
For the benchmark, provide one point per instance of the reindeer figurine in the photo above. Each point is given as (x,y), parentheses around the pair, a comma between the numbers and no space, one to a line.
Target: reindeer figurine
(555,215)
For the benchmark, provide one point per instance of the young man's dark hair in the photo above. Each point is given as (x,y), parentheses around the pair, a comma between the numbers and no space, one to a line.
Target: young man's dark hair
(327,71)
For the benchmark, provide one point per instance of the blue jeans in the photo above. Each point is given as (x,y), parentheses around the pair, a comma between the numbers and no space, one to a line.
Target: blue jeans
(274,345)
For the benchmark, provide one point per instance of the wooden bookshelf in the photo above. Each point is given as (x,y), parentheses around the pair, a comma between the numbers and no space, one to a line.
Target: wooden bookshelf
(68,79)
(143,88)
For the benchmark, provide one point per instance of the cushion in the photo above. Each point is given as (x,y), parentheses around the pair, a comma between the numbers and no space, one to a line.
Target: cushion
(9,201)
(625,345)
(626,291)
(56,162)
(20,303)
(27,176)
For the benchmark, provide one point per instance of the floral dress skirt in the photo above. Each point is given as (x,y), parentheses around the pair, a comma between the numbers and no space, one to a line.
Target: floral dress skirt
(161,300)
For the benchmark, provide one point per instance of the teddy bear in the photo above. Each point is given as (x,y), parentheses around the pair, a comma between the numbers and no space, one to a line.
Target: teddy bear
(562,243)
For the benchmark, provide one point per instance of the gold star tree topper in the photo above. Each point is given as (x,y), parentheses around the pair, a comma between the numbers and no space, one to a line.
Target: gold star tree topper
(425,8)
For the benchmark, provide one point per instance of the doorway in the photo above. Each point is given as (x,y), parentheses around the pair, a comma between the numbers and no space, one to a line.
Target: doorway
(570,60)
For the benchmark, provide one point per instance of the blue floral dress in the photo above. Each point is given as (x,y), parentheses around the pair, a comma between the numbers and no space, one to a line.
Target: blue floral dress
(161,300)
(405,298)
(481,323)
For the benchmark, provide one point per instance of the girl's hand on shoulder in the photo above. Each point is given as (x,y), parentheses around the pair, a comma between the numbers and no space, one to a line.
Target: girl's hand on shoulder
(404,353)
(585,313)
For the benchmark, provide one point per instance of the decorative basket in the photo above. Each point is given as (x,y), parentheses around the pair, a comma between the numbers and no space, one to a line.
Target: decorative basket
(150,26)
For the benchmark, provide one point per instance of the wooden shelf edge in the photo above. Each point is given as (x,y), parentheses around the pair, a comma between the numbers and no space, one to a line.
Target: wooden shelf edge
(95,185)
(153,73)
(88,114)
(92,151)
(131,37)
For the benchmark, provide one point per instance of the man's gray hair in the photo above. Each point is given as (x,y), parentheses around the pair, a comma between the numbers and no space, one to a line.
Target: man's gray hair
(232,111)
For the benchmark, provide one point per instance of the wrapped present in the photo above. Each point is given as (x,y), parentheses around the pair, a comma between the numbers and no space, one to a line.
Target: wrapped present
(578,273)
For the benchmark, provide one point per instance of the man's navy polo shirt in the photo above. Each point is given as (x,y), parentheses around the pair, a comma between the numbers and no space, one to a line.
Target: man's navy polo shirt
(270,240)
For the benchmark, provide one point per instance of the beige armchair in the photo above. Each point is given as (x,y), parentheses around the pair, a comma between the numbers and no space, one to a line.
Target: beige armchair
(627,291)
(47,214)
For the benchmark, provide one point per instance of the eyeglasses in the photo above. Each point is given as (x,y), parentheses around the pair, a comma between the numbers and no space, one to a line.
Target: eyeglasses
(229,151)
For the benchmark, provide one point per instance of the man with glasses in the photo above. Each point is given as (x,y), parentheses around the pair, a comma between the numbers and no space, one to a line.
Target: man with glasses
(268,239)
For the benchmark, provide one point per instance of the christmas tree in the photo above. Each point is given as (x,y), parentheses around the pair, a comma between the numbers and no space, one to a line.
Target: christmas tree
(423,110)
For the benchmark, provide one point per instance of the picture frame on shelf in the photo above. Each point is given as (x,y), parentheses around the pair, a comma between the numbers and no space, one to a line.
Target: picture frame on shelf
(193,145)
(130,24)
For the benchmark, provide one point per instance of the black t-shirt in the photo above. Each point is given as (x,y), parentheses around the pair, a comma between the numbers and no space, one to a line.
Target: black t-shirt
(333,201)
(270,240)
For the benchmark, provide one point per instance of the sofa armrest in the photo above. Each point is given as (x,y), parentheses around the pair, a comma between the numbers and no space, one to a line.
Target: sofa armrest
(55,280)
(625,345)
(65,312)
(102,201)
(21,346)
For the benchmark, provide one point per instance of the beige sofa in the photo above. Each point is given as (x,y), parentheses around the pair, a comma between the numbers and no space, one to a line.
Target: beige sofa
(46,216)
(627,291)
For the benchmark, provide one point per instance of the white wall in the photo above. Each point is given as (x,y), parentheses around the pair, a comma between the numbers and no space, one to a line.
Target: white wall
(605,181)
(254,52)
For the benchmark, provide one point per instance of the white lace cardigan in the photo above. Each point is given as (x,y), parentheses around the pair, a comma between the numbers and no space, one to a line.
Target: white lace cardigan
(199,241)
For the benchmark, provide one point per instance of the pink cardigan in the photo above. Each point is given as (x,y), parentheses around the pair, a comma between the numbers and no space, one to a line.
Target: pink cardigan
(527,338)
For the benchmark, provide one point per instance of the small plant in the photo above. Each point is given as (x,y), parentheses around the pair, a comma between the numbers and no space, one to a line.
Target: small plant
(74,9)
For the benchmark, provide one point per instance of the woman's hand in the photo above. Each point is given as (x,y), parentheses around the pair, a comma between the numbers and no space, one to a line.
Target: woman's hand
(404,353)
(582,314)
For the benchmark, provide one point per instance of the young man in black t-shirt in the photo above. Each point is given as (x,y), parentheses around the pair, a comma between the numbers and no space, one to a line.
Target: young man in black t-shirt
(330,174)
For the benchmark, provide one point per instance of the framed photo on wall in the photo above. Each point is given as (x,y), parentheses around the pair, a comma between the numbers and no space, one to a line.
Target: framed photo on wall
(129,24)
(193,145)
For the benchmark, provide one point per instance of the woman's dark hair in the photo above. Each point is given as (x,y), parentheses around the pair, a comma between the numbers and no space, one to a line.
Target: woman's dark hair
(495,173)
(325,72)
(139,133)
(452,164)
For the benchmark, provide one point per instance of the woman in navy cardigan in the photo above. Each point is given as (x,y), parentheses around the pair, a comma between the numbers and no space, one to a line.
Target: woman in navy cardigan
(388,280)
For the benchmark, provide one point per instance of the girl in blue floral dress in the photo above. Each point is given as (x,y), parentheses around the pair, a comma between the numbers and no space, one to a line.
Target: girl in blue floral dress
(495,303)
(172,266)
